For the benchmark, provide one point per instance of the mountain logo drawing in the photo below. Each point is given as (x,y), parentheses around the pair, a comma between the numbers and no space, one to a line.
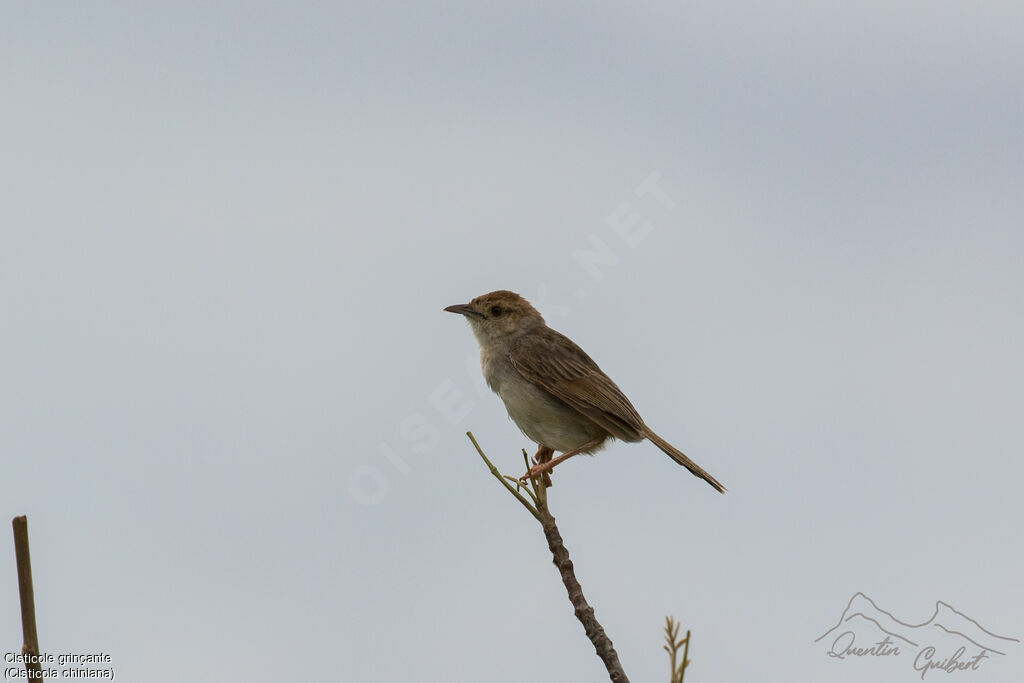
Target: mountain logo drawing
(949,641)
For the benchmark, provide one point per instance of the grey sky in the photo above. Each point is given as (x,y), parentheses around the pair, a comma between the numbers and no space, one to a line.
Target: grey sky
(228,236)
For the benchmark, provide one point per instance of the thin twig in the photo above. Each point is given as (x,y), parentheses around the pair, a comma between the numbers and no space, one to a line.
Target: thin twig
(686,657)
(672,638)
(584,612)
(498,475)
(28,603)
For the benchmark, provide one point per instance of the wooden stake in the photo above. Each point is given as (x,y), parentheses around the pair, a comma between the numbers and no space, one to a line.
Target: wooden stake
(28,602)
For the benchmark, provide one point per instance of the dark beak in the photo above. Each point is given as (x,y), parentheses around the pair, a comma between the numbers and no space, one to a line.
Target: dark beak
(463,309)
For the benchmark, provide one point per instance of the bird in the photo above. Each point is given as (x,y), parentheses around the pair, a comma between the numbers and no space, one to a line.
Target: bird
(554,392)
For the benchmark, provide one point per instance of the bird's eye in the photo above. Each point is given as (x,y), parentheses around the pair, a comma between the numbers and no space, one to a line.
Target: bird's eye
(496,311)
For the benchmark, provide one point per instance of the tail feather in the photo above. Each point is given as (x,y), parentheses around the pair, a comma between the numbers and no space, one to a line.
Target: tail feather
(681,458)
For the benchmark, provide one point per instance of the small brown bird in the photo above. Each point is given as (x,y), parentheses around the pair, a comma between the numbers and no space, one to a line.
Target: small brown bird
(552,390)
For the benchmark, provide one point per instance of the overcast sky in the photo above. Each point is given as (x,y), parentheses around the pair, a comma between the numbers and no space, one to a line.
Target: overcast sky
(234,412)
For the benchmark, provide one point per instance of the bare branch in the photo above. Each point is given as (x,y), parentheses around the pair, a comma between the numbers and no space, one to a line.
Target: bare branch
(498,475)
(537,490)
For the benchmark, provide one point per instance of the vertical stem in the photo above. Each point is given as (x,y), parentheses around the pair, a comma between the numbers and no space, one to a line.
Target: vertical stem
(686,655)
(672,659)
(28,602)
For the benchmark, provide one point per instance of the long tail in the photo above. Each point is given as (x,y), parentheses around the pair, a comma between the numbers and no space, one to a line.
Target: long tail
(681,458)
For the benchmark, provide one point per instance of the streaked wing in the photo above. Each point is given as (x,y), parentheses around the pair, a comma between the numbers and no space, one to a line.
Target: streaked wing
(553,361)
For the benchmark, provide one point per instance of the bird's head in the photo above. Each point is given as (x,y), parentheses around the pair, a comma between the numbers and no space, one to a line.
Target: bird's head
(498,316)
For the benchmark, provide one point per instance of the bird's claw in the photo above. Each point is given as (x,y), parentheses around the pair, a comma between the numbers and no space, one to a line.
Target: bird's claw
(538,470)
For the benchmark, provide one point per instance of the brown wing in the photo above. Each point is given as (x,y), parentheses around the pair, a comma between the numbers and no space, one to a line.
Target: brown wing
(553,361)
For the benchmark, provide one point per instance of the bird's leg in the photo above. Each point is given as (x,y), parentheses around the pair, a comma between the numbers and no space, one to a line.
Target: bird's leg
(545,467)
(544,455)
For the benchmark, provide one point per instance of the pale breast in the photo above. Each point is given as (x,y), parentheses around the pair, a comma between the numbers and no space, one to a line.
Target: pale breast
(542,418)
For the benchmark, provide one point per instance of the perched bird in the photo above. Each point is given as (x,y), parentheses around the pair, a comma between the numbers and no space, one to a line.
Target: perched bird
(552,389)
